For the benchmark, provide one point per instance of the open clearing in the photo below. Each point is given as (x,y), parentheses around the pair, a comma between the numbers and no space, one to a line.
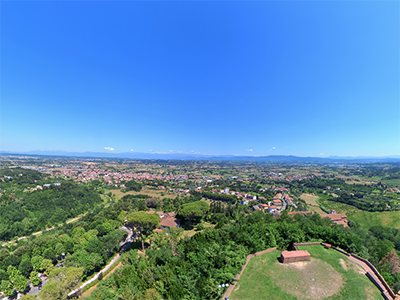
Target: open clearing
(328,275)
(312,203)
(146,191)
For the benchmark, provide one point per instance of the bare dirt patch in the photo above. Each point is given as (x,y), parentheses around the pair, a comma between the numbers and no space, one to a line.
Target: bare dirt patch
(353,266)
(314,279)
(343,264)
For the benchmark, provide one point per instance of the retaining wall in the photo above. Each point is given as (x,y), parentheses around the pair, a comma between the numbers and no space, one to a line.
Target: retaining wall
(307,244)
(340,250)
(377,274)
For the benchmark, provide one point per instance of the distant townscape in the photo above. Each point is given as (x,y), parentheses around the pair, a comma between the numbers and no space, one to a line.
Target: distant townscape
(77,226)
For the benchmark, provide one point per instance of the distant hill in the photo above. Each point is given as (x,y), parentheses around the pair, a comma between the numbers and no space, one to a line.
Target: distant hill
(181,156)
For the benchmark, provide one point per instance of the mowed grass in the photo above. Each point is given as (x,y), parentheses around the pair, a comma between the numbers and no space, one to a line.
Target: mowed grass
(329,275)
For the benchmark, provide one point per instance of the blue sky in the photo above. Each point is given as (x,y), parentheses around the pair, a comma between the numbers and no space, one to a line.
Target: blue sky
(308,78)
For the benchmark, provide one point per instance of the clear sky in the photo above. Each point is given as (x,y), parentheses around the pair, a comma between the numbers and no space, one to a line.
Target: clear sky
(308,78)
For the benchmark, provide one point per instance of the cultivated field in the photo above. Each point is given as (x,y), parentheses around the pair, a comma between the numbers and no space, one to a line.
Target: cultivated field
(329,275)
(364,218)
(392,182)
(312,203)
(146,191)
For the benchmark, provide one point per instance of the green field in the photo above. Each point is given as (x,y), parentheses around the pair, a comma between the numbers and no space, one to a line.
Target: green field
(364,218)
(392,182)
(367,219)
(329,275)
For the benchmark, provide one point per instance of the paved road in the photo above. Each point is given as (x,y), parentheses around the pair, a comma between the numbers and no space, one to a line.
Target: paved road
(128,241)
(284,204)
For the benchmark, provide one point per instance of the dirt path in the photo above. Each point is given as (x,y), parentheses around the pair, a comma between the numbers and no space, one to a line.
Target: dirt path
(129,240)
(47,229)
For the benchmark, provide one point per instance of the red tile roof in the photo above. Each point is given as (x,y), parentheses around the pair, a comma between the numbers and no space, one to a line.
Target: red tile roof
(169,222)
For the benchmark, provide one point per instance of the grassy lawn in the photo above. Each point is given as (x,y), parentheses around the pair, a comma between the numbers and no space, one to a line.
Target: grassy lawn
(329,275)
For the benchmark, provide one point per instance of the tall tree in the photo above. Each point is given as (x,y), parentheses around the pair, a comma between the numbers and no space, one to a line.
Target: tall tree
(144,223)
(62,281)
(189,211)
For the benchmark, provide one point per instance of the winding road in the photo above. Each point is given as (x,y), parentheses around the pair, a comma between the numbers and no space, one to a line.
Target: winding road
(130,238)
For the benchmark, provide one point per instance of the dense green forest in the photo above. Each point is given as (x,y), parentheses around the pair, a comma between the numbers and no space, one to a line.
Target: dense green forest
(24,211)
(192,268)
(85,245)
(175,267)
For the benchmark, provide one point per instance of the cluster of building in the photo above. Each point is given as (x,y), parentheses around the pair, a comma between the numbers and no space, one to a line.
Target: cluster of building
(394,190)
(40,188)
(282,189)
(277,205)
(339,219)
(280,176)
(298,177)
(87,173)
(246,198)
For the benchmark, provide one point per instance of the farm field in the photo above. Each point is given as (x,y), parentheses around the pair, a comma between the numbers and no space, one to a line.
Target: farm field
(392,182)
(363,218)
(312,203)
(146,191)
(329,275)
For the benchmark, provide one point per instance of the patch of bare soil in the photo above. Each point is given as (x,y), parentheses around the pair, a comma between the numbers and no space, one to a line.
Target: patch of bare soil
(343,264)
(314,279)
(353,266)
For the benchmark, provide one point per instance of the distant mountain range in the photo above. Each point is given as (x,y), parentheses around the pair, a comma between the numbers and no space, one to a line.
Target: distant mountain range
(180,156)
